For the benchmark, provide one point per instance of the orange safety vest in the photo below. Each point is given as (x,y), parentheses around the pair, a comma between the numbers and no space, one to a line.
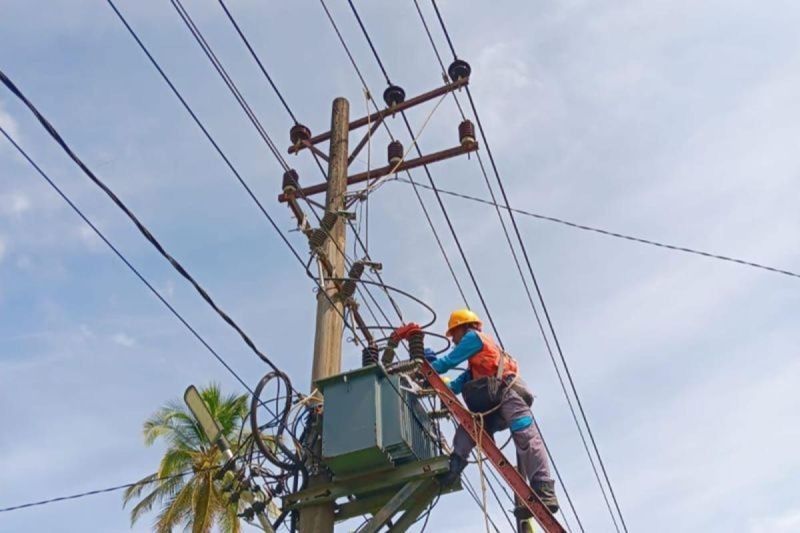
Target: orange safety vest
(486,361)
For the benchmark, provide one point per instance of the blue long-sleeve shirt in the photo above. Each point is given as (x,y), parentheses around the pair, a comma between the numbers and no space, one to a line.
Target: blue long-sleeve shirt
(470,345)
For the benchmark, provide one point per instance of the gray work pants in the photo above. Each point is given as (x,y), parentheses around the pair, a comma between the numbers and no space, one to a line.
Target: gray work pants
(531,454)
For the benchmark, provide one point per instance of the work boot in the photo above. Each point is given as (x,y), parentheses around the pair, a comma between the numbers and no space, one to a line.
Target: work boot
(457,465)
(546,491)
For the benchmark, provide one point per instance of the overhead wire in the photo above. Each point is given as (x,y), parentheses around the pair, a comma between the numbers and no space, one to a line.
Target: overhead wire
(288,109)
(410,130)
(225,158)
(242,101)
(177,265)
(388,130)
(518,266)
(448,221)
(610,233)
(430,180)
(125,260)
(534,279)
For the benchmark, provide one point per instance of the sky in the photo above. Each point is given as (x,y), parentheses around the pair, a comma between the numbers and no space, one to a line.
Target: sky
(672,120)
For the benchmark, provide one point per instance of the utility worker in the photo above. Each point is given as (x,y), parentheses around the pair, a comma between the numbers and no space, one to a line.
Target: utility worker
(483,357)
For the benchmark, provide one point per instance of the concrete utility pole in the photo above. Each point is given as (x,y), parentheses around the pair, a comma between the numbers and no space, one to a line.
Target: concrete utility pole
(330,325)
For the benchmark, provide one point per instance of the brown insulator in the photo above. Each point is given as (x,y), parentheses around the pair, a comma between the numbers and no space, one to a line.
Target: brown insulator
(328,220)
(393,95)
(466,133)
(459,69)
(395,151)
(319,235)
(291,181)
(369,356)
(388,353)
(416,345)
(349,286)
(439,414)
(299,133)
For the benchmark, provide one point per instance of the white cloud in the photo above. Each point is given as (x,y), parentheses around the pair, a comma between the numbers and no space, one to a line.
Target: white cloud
(786,523)
(14,203)
(89,238)
(3,248)
(8,123)
(123,340)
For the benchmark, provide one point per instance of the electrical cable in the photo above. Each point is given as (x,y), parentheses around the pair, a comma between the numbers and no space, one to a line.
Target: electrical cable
(444,211)
(224,157)
(127,263)
(610,233)
(97,491)
(141,227)
(430,180)
(251,115)
(535,281)
(386,126)
(258,61)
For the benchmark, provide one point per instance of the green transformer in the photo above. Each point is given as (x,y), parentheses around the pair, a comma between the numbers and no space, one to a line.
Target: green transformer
(370,423)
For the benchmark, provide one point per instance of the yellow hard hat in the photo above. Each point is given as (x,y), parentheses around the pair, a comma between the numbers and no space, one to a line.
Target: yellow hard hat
(459,317)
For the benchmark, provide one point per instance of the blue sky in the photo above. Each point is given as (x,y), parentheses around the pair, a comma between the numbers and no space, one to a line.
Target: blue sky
(672,120)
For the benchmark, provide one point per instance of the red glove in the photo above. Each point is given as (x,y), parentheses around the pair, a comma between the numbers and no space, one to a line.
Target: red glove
(403,332)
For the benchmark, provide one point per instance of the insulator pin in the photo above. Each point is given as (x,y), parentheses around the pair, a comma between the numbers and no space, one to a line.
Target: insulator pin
(459,69)
(416,345)
(369,356)
(291,181)
(393,95)
(466,133)
(299,133)
(439,414)
(395,152)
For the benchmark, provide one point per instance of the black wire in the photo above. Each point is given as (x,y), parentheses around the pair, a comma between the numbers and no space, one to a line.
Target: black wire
(610,233)
(535,281)
(372,46)
(388,130)
(99,491)
(201,41)
(141,227)
(433,185)
(255,56)
(224,157)
(125,260)
(254,120)
(447,218)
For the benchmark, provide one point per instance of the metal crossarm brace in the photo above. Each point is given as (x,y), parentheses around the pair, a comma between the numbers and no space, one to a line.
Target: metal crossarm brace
(389,111)
(392,506)
(388,169)
(464,419)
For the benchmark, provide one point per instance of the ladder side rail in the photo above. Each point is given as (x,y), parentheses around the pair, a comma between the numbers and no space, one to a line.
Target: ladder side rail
(465,419)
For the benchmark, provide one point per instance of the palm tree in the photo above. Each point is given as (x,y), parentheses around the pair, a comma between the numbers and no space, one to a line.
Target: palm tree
(194,500)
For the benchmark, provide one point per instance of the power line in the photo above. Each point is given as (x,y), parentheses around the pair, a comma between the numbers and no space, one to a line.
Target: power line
(127,263)
(228,80)
(224,157)
(617,235)
(391,136)
(535,311)
(141,227)
(430,180)
(446,216)
(98,491)
(535,281)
